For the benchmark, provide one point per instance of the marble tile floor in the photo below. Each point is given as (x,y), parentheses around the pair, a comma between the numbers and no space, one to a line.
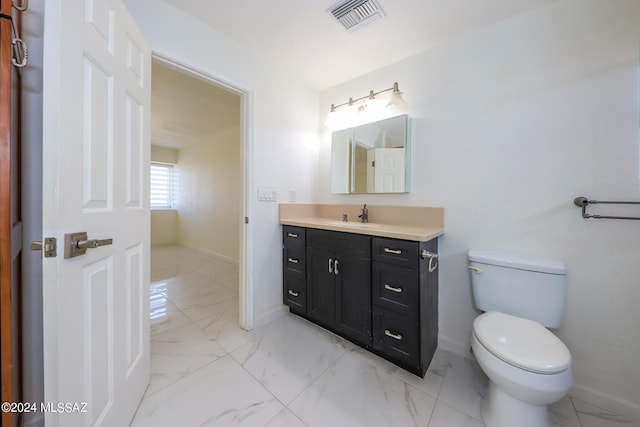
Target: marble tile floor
(207,371)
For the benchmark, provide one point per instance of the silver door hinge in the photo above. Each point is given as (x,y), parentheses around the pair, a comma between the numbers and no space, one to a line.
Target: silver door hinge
(49,248)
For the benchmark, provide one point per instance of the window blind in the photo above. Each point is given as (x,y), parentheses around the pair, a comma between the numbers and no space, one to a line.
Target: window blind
(161,186)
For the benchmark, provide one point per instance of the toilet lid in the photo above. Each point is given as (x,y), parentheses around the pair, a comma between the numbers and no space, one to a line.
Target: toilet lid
(522,342)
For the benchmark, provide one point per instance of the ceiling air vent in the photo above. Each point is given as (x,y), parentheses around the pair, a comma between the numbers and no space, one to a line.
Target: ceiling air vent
(354,14)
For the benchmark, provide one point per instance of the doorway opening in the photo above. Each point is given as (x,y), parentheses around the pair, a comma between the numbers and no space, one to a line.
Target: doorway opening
(200,127)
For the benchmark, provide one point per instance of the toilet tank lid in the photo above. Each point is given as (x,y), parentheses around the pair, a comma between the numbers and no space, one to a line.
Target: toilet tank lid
(519,261)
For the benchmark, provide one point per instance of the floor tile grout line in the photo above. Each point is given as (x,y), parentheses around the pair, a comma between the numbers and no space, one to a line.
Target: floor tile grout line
(284,406)
(314,381)
(573,406)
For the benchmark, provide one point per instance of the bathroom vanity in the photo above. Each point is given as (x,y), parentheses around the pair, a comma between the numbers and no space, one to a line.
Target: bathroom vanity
(375,283)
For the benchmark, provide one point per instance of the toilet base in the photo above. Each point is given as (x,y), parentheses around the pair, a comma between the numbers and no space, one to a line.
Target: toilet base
(502,410)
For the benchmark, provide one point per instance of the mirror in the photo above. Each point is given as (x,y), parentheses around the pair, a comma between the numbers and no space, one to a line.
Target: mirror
(371,158)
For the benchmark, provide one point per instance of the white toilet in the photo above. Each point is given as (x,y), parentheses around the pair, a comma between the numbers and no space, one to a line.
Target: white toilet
(527,365)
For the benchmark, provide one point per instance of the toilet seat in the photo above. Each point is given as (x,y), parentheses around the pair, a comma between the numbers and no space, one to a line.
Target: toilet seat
(522,343)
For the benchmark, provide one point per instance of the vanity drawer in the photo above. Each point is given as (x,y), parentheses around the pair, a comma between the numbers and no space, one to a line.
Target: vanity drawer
(294,260)
(293,237)
(295,293)
(404,253)
(397,336)
(396,288)
(335,241)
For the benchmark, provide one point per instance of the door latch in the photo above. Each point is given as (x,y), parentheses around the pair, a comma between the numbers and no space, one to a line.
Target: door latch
(76,244)
(49,247)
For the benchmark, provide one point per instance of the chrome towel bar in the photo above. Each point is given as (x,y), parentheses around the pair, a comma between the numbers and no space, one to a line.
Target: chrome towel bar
(583,202)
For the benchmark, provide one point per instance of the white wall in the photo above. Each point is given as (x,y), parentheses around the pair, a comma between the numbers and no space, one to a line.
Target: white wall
(164,227)
(209,194)
(511,123)
(284,129)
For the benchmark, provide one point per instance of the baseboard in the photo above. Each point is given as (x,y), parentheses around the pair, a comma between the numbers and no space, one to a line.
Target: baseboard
(211,253)
(270,316)
(609,403)
(455,347)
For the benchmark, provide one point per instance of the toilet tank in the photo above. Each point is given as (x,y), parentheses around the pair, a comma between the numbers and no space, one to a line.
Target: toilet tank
(525,286)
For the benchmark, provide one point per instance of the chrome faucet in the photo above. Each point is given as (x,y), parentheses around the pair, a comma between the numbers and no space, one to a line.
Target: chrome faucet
(365,214)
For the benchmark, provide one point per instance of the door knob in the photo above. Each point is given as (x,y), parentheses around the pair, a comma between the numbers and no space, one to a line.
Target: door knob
(76,244)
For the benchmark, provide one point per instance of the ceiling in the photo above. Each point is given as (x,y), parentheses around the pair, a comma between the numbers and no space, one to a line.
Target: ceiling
(186,110)
(303,38)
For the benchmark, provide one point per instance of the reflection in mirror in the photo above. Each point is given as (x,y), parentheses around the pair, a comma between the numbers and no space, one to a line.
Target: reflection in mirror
(341,161)
(371,158)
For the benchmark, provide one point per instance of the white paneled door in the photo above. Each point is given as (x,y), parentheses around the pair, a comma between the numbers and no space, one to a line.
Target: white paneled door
(386,170)
(96,97)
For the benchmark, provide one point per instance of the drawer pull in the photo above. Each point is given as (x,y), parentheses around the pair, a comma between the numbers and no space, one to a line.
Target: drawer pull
(392,288)
(293,293)
(392,335)
(330,266)
(335,268)
(294,235)
(293,260)
(393,251)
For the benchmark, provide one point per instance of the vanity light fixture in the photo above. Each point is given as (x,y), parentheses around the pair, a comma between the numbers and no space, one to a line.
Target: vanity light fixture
(396,99)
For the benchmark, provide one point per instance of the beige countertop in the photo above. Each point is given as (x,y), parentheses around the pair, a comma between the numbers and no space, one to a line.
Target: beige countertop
(398,222)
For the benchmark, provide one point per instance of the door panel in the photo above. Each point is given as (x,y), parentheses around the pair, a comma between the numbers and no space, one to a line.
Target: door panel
(97,138)
(321,292)
(98,311)
(135,314)
(96,96)
(353,304)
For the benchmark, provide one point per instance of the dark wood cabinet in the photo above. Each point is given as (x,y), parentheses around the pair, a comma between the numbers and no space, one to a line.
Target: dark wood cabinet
(378,292)
(405,302)
(294,268)
(339,282)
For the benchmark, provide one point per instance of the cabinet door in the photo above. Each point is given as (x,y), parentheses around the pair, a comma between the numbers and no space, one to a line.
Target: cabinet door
(353,302)
(321,292)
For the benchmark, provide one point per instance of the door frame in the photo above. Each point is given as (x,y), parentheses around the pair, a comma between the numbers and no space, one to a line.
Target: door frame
(246,155)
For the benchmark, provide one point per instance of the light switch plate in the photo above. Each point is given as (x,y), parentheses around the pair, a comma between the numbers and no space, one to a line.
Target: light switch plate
(266,194)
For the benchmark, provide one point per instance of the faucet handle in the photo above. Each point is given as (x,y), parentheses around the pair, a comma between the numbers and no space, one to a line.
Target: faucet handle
(365,214)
